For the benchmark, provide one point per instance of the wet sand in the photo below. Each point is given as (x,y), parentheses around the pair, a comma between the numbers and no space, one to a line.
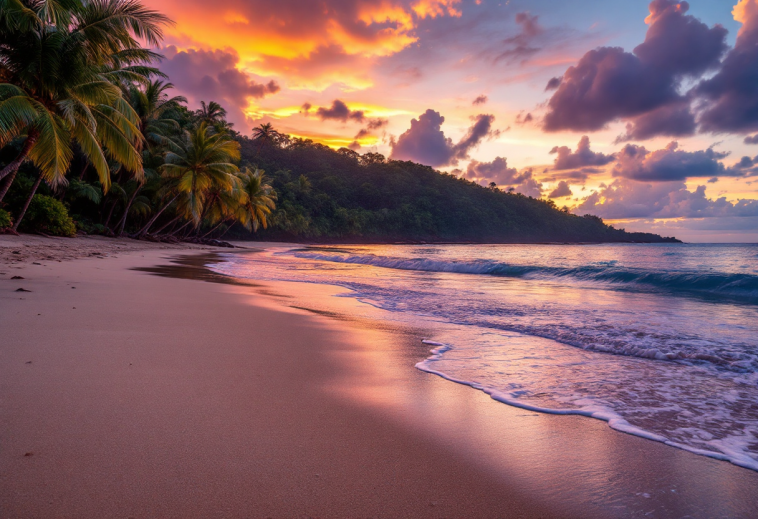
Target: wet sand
(129,394)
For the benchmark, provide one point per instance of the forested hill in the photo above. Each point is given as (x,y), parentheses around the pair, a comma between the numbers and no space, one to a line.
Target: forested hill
(340,196)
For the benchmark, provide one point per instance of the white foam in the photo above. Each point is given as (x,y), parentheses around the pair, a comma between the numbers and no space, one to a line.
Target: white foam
(738,456)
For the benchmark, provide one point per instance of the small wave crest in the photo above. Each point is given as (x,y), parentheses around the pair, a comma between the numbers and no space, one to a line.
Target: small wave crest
(714,284)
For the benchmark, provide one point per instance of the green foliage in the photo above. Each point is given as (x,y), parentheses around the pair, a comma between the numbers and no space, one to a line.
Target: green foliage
(48,215)
(328,195)
(5,219)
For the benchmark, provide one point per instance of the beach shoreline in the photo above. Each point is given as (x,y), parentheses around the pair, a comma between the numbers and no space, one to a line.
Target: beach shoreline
(136,395)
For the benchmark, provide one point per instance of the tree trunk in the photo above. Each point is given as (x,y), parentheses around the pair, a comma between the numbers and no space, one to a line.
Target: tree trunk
(180,228)
(169,223)
(212,230)
(28,201)
(12,167)
(7,184)
(149,224)
(110,212)
(122,222)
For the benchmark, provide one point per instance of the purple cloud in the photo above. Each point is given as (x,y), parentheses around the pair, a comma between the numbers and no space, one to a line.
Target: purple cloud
(212,76)
(480,100)
(425,142)
(630,199)
(670,164)
(751,139)
(609,84)
(507,178)
(561,190)
(339,111)
(582,157)
(731,95)
(554,83)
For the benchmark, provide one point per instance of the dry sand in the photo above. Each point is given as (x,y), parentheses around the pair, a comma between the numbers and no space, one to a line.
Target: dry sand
(124,394)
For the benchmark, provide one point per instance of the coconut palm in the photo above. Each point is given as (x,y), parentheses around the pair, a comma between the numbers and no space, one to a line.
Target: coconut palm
(61,63)
(213,114)
(258,200)
(203,162)
(152,105)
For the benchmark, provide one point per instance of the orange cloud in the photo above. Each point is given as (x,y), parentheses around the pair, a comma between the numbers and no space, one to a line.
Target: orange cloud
(305,40)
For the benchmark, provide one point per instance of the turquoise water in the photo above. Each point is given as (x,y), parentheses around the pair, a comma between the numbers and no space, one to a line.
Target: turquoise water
(659,340)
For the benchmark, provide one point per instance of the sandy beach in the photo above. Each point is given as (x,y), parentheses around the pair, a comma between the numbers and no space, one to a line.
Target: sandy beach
(129,394)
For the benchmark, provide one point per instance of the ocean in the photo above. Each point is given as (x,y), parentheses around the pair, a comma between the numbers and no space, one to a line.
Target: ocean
(660,341)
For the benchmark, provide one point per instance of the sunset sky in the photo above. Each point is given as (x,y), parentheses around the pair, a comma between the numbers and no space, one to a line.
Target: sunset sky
(643,113)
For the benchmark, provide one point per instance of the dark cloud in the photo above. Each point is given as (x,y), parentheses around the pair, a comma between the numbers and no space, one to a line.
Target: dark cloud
(480,100)
(520,47)
(732,94)
(670,164)
(426,143)
(306,108)
(339,111)
(355,145)
(577,175)
(751,139)
(630,199)
(561,190)
(746,163)
(608,83)
(583,156)
(375,124)
(507,178)
(673,120)
(212,76)
(524,118)
(554,83)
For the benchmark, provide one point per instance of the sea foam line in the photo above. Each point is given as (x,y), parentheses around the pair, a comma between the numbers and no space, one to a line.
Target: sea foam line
(614,420)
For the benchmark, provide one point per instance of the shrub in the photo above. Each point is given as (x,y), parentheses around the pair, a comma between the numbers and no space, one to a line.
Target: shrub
(5,219)
(48,215)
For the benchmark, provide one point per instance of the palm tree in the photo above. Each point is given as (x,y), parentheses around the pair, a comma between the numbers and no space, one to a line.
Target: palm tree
(258,202)
(214,115)
(266,134)
(202,163)
(152,104)
(61,64)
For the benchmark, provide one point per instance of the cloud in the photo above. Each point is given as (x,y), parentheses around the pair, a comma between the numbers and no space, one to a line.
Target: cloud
(561,190)
(583,156)
(731,95)
(670,164)
(523,118)
(507,178)
(609,84)
(519,47)
(288,35)
(425,142)
(751,139)
(673,120)
(626,198)
(339,111)
(554,83)
(211,75)
(480,100)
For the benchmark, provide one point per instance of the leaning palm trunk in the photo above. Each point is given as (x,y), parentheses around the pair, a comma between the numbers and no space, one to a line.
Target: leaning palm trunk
(110,213)
(213,230)
(122,222)
(28,201)
(167,225)
(7,184)
(13,166)
(177,231)
(142,232)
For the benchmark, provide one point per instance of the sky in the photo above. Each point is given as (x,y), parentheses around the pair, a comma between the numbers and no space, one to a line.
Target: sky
(643,113)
